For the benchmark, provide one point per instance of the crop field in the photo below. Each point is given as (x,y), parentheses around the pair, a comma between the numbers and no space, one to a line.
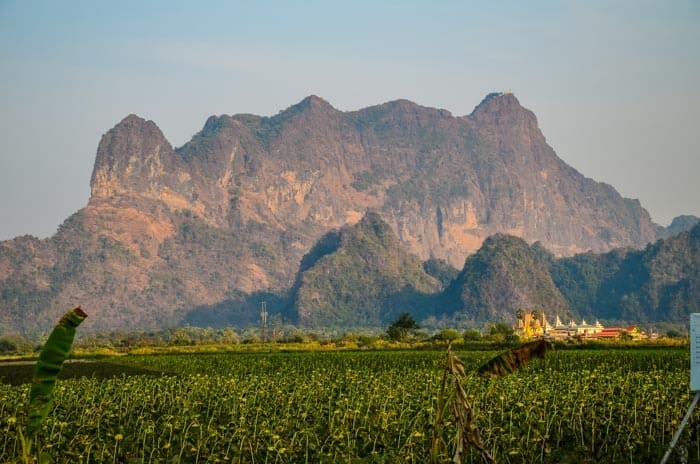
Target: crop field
(368,406)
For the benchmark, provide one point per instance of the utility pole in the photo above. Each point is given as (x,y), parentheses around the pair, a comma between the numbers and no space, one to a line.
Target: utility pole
(263,316)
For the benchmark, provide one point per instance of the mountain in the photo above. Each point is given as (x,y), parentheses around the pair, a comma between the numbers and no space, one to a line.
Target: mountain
(658,283)
(503,275)
(679,224)
(226,218)
(361,276)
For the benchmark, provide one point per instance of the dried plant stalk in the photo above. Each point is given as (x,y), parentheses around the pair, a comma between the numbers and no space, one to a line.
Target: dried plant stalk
(467,430)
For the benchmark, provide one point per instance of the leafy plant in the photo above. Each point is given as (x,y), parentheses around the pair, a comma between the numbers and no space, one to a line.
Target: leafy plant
(468,435)
(51,359)
(585,406)
(467,431)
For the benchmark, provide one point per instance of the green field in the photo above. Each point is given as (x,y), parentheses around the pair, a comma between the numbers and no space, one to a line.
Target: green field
(368,406)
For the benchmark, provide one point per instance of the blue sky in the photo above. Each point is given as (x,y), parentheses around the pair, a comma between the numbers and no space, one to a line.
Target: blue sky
(613,84)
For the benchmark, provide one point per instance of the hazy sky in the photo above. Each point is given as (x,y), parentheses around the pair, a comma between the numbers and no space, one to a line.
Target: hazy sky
(614,84)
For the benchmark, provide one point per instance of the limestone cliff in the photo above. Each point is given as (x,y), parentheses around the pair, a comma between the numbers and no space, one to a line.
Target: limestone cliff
(233,211)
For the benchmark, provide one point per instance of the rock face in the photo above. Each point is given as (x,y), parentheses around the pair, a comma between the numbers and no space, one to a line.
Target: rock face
(233,211)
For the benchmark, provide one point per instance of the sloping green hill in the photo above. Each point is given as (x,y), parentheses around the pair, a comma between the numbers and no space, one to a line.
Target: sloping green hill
(504,275)
(659,283)
(361,276)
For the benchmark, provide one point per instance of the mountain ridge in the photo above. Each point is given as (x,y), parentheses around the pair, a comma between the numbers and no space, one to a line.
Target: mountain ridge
(233,211)
(351,274)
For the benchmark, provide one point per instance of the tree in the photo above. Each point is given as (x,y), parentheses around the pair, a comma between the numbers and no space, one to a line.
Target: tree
(7,345)
(471,335)
(229,336)
(401,327)
(501,332)
(446,335)
(625,336)
(15,344)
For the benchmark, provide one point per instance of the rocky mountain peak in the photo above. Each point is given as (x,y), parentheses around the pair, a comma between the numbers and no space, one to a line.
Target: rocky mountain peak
(402,106)
(133,142)
(135,128)
(214,140)
(682,223)
(310,106)
(502,109)
(499,100)
(215,123)
(316,102)
(679,225)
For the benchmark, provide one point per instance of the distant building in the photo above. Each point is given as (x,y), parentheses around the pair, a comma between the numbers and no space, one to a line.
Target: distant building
(532,325)
(610,333)
(535,325)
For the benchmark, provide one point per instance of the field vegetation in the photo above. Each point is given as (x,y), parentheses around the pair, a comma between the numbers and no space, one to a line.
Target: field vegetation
(575,406)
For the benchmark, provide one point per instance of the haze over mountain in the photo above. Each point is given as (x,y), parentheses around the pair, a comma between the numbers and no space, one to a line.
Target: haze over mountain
(233,211)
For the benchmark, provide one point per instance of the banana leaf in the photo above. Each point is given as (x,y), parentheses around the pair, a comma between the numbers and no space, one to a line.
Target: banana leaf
(50,362)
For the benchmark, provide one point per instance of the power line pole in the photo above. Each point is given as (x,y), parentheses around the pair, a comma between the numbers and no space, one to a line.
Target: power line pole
(263,316)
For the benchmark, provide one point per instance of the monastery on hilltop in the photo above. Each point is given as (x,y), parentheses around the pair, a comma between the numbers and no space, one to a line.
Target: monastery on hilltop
(535,325)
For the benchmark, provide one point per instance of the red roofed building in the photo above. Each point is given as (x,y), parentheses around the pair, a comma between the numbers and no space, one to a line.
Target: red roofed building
(611,332)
